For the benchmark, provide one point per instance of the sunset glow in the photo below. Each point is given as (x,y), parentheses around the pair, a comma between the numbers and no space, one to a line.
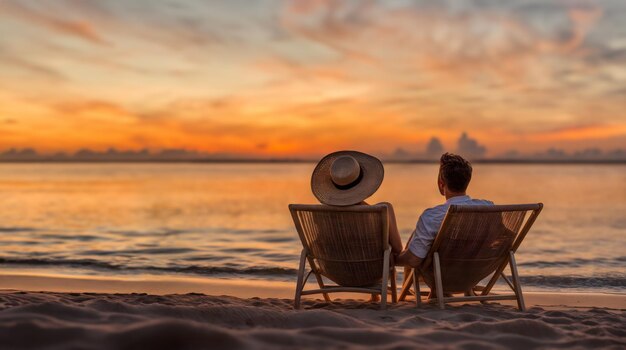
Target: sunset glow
(302,78)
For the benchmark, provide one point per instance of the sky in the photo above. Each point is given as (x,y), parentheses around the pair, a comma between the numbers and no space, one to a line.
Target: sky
(303,78)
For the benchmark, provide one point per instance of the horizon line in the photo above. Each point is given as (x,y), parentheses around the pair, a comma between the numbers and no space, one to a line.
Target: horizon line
(307,160)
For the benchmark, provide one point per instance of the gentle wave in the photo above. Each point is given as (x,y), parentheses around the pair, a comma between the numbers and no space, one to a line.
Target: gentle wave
(66,237)
(575,281)
(199,270)
(607,281)
(574,263)
(149,251)
(17,229)
(152,233)
(173,232)
(577,262)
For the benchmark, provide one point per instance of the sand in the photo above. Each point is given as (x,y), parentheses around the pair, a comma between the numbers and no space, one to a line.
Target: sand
(89,312)
(55,320)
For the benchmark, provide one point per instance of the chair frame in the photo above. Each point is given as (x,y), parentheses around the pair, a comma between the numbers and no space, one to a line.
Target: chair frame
(389,272)
(433,257)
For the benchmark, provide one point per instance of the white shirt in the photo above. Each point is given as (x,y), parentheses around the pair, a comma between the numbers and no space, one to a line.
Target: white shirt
(430,221)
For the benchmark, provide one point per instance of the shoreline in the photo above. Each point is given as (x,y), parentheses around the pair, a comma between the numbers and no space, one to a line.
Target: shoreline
(251,288)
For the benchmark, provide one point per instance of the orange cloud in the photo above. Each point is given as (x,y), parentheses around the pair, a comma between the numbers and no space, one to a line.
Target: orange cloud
(583,132)
(306,78)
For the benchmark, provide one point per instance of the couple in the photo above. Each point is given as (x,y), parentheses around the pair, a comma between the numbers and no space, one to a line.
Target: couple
(348,177)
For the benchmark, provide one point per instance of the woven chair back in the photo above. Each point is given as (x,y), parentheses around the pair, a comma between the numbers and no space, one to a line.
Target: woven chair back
(473,242)
(345,244)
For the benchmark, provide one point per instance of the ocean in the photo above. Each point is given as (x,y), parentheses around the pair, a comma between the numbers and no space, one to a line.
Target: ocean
(231,220)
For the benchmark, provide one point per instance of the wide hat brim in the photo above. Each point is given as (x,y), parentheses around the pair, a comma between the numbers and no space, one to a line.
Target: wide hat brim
(325,190)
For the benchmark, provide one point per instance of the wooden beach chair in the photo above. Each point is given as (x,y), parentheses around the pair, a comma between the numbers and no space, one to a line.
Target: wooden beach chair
(346,245)
(473,243)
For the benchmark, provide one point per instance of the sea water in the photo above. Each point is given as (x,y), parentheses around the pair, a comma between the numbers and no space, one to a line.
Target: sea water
(231,220)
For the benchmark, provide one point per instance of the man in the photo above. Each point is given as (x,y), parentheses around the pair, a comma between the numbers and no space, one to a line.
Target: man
(455,174)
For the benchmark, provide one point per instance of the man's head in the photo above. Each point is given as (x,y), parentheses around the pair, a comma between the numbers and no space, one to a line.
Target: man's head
(455,174)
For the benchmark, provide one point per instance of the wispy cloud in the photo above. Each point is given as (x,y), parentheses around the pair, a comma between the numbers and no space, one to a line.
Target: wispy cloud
(77,28)
(30,68)
(300,77)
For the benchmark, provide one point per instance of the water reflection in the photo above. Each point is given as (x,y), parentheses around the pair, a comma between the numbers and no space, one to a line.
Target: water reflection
(208,218)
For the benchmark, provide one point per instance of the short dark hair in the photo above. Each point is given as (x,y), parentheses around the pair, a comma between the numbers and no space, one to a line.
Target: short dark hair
(455,172)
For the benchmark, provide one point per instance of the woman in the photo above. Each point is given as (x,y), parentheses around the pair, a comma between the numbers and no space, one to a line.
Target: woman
(348,178)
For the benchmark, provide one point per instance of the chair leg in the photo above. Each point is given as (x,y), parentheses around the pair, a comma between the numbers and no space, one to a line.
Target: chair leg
(493,279)
(300,282)
(385,280)
(394,287)
(516,283)
(438,282)
(319,279)
(406,284)
(418,293)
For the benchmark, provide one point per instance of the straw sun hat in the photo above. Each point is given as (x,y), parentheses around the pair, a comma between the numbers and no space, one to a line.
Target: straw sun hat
(346,178)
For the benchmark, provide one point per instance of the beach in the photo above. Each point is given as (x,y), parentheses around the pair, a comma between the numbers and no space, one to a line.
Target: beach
(181,174)
(63,318)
